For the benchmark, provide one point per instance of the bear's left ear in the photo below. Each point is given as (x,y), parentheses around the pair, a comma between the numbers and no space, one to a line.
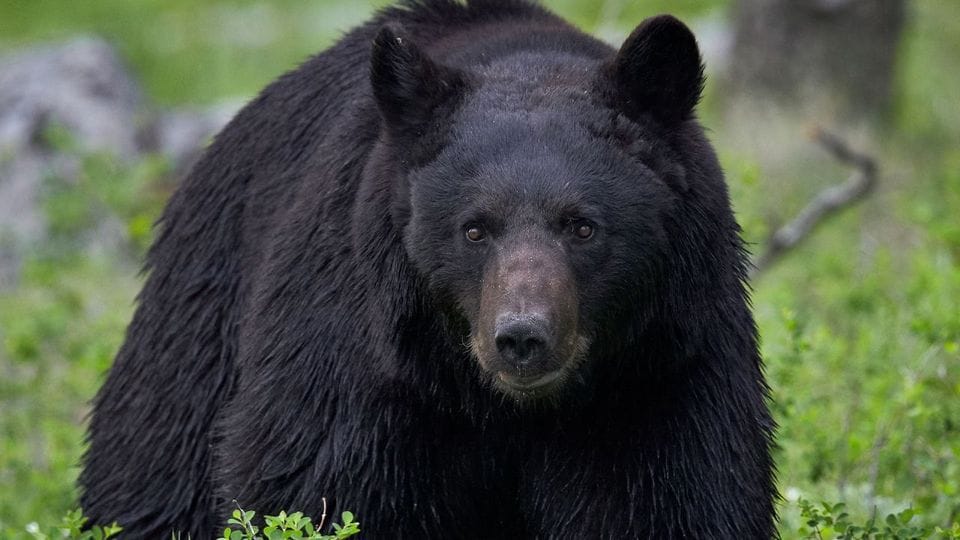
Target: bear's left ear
(658,71)
(408,86)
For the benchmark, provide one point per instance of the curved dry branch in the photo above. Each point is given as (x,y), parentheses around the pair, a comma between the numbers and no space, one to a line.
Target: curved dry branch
(828,202)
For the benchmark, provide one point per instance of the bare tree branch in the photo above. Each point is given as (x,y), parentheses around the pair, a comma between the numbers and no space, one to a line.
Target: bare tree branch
(828,202)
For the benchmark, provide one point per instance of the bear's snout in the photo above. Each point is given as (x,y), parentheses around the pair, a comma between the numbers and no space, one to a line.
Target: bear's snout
(526,335)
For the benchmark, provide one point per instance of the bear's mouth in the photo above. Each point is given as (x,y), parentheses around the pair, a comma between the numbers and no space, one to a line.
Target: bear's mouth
(525,382)
(529,383)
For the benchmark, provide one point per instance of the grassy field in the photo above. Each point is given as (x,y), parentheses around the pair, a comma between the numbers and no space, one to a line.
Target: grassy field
(860,325)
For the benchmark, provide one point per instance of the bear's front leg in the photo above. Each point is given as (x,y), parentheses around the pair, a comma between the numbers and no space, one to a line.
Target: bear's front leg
(416,473)
(403,470)
(683,475)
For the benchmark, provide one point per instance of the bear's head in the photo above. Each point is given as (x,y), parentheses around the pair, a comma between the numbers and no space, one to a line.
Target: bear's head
(532,187)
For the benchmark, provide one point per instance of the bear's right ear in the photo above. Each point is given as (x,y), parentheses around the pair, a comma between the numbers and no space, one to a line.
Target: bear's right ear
(658,71)
(408,86)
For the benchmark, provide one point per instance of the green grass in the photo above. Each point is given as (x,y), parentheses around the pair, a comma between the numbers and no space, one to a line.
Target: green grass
(860,325)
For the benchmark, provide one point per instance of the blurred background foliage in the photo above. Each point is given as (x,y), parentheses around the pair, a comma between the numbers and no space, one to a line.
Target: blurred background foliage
(860,324)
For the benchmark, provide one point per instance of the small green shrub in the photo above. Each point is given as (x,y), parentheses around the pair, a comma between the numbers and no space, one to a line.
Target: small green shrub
(285,526)
(72,527)
(826,521)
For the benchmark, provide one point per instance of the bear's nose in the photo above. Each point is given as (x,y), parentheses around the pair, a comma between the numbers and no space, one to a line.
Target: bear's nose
(521,340)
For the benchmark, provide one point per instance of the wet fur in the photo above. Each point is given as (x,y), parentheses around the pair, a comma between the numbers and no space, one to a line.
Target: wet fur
(286,346)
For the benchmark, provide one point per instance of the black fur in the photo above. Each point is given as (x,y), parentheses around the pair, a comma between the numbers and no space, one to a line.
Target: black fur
(302,330)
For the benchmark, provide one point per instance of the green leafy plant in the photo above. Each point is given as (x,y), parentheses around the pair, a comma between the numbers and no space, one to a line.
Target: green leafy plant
(285,526)
(826,521)
(72,527)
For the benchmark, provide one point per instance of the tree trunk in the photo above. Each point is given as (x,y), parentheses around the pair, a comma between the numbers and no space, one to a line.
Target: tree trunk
(833,56)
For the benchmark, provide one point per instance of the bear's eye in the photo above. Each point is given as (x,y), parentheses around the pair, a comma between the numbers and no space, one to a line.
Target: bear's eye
(581,228)
(475,233)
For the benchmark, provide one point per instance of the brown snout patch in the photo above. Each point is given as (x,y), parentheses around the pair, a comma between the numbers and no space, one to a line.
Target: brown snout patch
(527,332)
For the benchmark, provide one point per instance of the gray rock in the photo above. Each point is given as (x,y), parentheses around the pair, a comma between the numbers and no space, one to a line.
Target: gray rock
(81,85)
(84,89)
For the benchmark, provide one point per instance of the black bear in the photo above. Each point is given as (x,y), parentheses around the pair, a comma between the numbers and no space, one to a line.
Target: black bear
(469,273)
